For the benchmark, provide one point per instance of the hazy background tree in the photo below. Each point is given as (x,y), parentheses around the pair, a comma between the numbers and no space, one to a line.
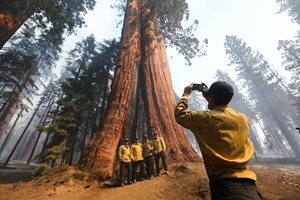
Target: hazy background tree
(291,50)
(25,63)
(267,93)
(291,62)
(242,104)
(84,97)
(292,7)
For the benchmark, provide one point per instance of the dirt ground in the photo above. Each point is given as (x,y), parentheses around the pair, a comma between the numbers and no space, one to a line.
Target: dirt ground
(186,181)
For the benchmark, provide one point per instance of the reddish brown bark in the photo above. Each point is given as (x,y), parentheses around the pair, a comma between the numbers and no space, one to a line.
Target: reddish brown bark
(142,99)
(160,95)
(101,151)
(9,24)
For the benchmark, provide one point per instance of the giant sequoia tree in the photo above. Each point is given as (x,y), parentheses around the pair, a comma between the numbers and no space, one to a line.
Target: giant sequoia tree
(142,99)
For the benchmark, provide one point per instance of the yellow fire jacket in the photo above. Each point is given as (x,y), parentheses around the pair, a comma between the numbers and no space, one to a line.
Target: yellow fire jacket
(148,148)
(124,153)
(223,137)
(137,152)
(159,145)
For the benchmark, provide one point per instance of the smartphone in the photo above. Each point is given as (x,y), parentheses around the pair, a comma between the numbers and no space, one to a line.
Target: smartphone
(197,86)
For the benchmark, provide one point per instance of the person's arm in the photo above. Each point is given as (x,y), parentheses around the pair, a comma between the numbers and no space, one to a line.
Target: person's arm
(163,144)
(187,118)
(120,153)
(151,146)
(184,116)
(131,153)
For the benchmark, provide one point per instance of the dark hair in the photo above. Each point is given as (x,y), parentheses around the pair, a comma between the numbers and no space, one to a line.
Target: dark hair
(221,91)
(222,100)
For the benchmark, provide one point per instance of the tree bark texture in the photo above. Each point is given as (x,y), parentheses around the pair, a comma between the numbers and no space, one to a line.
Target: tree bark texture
(159,94)
(101,151)
(142,99)
(9,24)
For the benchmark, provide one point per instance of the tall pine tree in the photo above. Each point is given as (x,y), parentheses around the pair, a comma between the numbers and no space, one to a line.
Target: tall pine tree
(270,100)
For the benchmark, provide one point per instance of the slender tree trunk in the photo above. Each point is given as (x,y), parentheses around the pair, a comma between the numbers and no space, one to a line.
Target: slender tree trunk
(44,148)
(104,102)
(86,132)
(141,77)
(255,142)
(9,108)
(275,116)
(9,134)
(43,123)
(8,112)
(22,135)
(95,118)
(73,140)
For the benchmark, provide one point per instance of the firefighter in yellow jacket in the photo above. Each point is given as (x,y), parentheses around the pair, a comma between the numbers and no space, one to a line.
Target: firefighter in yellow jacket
(159,153)
(223,137)
(137,160)
(125,161)
(148,149)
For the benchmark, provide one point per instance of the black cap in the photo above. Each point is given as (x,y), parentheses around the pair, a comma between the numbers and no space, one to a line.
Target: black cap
(221,90)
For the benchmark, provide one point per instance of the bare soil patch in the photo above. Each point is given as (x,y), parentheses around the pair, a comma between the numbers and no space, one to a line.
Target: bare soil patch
(186,181)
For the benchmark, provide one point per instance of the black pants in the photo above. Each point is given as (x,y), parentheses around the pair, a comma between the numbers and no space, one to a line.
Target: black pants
(149,166)
(157,156)
(135,166)
(127,166)
(234,189)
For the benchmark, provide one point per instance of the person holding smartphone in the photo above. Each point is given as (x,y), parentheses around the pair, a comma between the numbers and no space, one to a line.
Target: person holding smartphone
(223,136)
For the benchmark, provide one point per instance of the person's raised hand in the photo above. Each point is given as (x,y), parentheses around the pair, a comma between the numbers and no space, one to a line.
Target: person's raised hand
(188,90)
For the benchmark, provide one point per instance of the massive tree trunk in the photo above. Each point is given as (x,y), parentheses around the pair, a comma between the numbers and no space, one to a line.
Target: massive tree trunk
(158,94)
(101,151)
(142,99)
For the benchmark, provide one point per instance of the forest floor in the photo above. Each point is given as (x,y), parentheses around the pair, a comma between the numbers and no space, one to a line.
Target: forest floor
(186,181)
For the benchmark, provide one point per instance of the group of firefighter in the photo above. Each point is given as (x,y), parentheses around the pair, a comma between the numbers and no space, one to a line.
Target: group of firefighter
(137,155)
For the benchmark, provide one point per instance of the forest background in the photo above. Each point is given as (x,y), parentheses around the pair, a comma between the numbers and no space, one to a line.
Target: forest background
(259,72)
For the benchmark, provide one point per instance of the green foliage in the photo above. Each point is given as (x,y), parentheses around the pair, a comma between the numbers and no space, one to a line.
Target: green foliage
(60,14)
(44,169)
(170,15)
(84,94)
(24,60)
(40,128)
(57,151)
(41,170)
(79,175)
